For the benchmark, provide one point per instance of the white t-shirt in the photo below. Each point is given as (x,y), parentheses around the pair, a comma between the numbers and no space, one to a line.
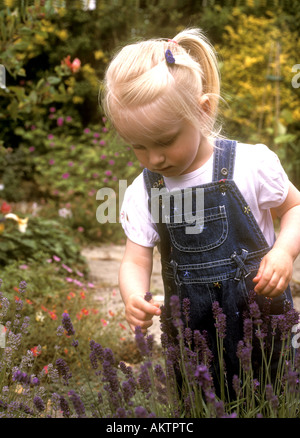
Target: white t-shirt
(257,173)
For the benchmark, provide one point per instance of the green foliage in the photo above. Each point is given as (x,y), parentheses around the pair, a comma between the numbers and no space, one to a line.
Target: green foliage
(44,236)
(261,106)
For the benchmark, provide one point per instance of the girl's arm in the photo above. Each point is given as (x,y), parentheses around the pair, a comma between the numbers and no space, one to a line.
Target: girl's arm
(134,281)
(276,268)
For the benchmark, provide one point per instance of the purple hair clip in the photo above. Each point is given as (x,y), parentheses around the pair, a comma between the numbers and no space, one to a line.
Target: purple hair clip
(169,57)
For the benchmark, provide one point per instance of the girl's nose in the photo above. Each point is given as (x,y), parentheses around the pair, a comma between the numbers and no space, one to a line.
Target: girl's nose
(156,158)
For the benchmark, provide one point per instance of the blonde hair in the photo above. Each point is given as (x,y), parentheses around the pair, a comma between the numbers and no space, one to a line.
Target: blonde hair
(139,81)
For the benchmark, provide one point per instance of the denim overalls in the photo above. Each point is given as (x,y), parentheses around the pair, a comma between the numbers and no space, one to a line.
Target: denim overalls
(218,263)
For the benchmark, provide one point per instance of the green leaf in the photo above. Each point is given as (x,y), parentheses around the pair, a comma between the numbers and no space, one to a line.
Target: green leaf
(53,80)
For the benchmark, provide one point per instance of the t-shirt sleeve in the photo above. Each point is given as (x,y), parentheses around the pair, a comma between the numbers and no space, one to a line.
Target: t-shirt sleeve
(135,217)
(273,184)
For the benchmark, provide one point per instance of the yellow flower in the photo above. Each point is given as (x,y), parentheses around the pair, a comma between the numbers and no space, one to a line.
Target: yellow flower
(39,38)
(77,99)
(98,54)
(62,34)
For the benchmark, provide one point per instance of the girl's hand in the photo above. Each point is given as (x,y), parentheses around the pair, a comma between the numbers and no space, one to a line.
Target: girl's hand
(139,312)
(274,274)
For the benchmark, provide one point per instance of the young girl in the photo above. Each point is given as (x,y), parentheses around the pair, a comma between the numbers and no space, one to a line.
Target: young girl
(162,97)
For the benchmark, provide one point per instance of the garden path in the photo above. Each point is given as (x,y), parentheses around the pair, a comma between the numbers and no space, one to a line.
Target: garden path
(104,262)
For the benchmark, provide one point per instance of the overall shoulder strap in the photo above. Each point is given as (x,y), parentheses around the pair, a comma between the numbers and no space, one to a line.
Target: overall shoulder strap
(224,158)
(152,180)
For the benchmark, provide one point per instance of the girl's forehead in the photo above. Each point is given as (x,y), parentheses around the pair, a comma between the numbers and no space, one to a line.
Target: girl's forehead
(151,123)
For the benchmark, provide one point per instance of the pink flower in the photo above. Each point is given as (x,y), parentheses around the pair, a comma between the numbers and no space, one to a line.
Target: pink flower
(111,162)
(52,109)
(80,229)
(60,121)
(65,175)
(50,136)
(90,285)
(33,127)
(96,135)
(69,119)
(70,163)
(108,172)
(87,130)
(56,258)
(79,273)
(31,149)
(67,268)
(69,280)
(102,142)
(104,129)
(23,267)
(103,157)
(130,163)
(75,66)
(51,162)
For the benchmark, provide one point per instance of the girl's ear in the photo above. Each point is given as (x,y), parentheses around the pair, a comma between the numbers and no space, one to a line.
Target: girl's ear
(205,104)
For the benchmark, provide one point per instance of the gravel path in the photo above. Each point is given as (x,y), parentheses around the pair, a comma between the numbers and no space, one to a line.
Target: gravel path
(104,262)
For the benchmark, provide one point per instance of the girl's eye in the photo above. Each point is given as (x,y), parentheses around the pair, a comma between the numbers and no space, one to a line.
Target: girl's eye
(138,148)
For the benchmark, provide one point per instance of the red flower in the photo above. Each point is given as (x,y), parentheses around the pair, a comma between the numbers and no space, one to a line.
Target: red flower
(73,66)
(5,208)
(35,351)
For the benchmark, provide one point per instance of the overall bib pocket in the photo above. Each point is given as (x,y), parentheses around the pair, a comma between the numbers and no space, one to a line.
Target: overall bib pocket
(213,233)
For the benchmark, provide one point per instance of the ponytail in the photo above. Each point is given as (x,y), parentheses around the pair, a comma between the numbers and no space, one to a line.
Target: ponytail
(199,48)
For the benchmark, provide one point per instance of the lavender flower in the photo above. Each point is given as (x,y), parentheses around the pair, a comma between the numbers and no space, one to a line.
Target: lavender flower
(22,287)
(148,296)
(141,341)
(96,355)
(141,412)
(21,377)
(220,319)
(159,372)
(244,353)
(109,370)
(186,309)
(128,389)
(38,403)
(175,311)
(67,324)
(236,384)
(271,398)
(60,330)
(248,330)
(255,313)
(126,370)
(77,403)
(203,377)
(63,370)
(144,378)
(64,406)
